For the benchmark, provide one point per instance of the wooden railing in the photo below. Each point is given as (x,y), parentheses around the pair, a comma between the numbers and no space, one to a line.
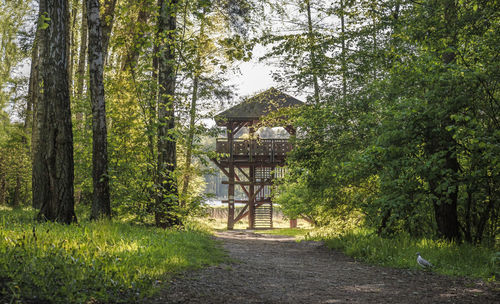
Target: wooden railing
(254,149)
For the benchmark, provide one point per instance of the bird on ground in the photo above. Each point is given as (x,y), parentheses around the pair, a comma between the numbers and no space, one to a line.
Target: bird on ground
(423,262)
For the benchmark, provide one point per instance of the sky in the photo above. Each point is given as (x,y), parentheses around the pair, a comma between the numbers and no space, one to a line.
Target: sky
(255,76)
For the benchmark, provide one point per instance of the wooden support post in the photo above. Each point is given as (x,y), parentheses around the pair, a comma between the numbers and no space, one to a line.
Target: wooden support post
(251,187)
(293,223)
(230,188)
(251,198)
(230,197)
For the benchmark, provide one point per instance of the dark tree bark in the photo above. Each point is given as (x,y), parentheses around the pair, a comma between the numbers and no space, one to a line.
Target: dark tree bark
(3,184)
(167,198)
(101,206)
(55,146)
(17,193)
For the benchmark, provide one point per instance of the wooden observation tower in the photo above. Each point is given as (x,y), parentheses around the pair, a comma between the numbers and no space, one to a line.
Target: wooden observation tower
(252,163)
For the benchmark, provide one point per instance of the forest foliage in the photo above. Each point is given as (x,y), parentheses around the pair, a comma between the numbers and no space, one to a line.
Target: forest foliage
(411,142)
(400,130)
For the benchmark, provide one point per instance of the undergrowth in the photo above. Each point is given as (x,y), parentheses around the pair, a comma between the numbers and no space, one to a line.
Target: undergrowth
(400,252)
(92,261)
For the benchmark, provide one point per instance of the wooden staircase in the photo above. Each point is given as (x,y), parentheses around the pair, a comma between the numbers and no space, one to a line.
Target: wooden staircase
(264,216)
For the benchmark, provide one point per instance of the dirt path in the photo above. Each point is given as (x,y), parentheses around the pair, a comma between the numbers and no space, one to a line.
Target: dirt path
(276,269)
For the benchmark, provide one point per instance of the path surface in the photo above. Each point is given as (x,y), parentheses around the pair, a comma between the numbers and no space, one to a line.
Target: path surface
(276,269)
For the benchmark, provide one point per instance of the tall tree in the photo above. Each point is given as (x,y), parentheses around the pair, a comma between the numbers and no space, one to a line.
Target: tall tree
(197,71)
(38,184)
(101,206)
(167,198)
(443,143)
(55,147)
(205,58)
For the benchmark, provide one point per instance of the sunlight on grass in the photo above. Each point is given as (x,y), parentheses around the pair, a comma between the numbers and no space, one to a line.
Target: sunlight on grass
(107,261)
(400,251)
(218,221)
(299,233)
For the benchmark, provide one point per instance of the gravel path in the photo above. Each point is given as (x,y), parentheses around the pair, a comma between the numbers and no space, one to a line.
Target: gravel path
(276,269)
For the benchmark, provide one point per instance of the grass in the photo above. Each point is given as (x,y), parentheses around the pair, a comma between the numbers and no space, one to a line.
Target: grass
(296,232)
(400,252)
(93,261)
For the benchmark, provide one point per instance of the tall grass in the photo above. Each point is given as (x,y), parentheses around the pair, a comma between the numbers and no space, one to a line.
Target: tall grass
(400,251)
(92,261)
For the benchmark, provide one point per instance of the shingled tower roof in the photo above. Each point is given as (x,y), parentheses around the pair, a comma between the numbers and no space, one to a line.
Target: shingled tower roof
(257,106)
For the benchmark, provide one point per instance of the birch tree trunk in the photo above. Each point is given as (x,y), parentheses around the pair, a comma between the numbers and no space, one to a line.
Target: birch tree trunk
(72,45)
(166,214)
(101,207)
(55,147)
(80,77)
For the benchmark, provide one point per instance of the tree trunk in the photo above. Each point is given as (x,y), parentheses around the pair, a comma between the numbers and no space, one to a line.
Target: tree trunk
(132,53)
(3,186)
(468,207)
(189,143)
(314,64)
(33,85)
(101,206)
(167,198)
(33,93)
(72,45)
(17,192)
(107,25)
(55,147)
(375,61)
(192,116)
(80,77)
(343,51)
(39,180)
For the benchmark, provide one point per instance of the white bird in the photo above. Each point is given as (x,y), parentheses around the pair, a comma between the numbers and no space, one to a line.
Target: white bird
(423,262)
